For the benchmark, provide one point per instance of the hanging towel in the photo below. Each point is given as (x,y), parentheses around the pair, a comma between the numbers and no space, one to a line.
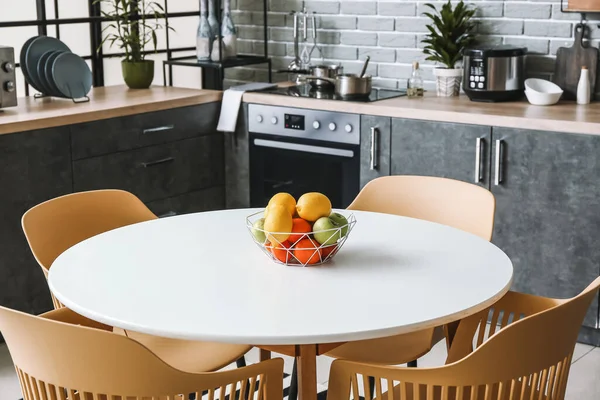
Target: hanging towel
(232,100)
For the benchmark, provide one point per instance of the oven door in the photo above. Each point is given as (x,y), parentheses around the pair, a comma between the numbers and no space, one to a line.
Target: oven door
(278,164)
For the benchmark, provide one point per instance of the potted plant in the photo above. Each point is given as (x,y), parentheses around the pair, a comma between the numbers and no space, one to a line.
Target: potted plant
(450,32)
(133,25)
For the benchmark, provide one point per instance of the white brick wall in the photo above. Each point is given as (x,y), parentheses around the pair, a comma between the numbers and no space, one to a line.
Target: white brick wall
(390,31)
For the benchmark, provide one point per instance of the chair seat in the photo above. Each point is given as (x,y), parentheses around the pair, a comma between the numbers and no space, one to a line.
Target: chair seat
(391,350)
(188,355)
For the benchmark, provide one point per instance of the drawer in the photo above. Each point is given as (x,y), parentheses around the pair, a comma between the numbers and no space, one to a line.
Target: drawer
(156,172)
(126,133)
(198,201)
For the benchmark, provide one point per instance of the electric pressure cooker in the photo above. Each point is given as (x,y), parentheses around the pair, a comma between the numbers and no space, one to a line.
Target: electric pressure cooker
(494,73)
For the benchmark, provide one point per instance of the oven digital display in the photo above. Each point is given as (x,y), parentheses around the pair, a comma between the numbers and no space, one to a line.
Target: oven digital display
(294,122)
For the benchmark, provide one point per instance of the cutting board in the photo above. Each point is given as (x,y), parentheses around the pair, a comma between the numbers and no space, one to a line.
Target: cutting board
(569,61)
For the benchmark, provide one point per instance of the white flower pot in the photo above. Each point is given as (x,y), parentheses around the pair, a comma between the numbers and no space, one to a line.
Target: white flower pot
(448,81)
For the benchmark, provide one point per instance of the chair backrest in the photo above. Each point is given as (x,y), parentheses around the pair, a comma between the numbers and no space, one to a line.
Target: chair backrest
(528,359)
(57,224)
(446,201)
(54,359)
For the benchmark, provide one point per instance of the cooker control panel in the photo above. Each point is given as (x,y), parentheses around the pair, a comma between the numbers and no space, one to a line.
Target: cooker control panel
(304,124)
(477,74)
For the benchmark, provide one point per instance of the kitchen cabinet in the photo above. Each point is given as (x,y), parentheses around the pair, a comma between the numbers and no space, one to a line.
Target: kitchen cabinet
(156,172)
(447,150)
(547,217)
(172,159)
(34,166)
(237,163)
(374,147)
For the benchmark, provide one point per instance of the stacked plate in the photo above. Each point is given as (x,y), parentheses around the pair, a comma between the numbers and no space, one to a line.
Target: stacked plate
(50,68)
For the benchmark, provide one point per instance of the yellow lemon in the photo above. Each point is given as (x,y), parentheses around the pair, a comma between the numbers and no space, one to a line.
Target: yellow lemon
(312,206)
(279,222)
(284,199)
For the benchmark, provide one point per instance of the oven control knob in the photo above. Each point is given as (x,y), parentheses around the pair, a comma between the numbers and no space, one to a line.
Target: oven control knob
(274,120)
(332,126)
(348,128)
(8,67)
(316,124)
(259,118)
(9,86)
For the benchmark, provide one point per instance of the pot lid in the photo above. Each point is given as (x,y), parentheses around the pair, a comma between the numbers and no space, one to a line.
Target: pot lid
(495,51)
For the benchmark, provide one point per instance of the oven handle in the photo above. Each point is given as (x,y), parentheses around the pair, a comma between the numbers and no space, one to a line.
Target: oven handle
(304,148)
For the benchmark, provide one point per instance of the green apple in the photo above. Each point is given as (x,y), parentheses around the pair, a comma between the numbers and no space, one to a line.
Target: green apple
(325,232)
(258,231)
(341,221)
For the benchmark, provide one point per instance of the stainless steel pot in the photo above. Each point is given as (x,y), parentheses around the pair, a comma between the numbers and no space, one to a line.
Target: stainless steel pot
(324,71)
(348,85)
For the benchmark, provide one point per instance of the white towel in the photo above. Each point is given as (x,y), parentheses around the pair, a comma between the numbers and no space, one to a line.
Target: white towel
(230,108)
(232,100)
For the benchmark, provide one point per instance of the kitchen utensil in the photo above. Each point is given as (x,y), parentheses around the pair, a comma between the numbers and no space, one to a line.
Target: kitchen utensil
(46,89)
(296,63)
(569,61)
(22,61)
(314,37)
(364,69)
(349,86)
(38,46)
(324,70)
(48,74)
(72,75)
(8,85)
(541,92)
(493,73)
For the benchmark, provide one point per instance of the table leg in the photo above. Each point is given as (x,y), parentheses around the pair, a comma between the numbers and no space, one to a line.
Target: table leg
(265,355)
(307,372)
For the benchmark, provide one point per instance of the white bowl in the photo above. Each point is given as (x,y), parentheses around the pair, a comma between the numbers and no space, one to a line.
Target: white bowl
(541,92)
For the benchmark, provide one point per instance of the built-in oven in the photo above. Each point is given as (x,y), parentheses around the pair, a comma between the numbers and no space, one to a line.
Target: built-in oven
(298,151)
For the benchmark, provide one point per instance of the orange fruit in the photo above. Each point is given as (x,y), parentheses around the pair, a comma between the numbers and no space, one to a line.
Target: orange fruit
(299,228)
(312,206)
(325,251)
(278,224)
(307,252)
(280,251)
(283,199)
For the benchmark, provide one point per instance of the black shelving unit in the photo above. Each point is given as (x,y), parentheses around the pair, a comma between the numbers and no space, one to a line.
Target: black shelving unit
(213,72)
(94,21)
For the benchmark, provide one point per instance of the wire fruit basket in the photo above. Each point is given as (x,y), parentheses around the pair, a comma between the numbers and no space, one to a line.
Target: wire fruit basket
(304,250)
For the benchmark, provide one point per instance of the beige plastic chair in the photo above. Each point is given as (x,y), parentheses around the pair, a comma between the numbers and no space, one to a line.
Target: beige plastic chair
(55,225)
(528,359)
(446,201)
(59,361)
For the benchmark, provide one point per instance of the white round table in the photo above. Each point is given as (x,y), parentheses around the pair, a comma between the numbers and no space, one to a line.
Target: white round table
(201,277)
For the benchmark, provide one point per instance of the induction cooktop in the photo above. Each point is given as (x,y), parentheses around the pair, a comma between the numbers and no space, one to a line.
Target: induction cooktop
(308,91)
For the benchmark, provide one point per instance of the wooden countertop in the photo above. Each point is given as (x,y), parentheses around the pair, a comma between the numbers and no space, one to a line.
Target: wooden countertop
(562,117)
(105,102)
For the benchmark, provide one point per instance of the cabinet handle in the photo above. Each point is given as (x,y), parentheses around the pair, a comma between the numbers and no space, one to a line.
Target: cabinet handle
(168,214)
(158,129)
(499,154)
(157,162)
(374,148)
(479,148)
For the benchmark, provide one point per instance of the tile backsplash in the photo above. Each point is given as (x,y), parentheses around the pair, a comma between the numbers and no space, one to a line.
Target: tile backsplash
(390,32)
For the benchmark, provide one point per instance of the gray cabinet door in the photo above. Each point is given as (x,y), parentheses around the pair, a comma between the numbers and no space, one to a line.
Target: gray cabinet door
(548,210)
(441,149)
(34,167)
(374,147)
(237,163)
